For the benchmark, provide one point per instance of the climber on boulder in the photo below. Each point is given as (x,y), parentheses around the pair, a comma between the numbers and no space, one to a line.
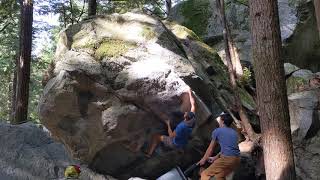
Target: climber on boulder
(228,159)
(177,138)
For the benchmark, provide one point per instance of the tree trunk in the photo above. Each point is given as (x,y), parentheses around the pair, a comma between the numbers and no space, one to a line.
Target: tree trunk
(71,12)
(317,12)
(23,67)
(271,90)
(233,52)
(13,92)
(168,6)
(92,7)
(250,134)
(226,37)
(236,64)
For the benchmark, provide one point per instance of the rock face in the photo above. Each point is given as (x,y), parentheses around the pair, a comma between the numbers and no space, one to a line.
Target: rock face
(297,23)
(114,75)
(28,152)
(304,100)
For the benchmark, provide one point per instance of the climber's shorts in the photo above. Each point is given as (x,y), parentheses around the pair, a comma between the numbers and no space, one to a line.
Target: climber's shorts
(168,141)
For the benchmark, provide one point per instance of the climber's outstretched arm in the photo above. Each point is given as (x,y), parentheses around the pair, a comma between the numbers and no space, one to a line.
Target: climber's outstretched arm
(192,101)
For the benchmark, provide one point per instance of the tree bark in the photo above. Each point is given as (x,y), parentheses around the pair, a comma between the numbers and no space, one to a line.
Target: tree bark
(92,7)
(71,12)
(23,66)
(271,90)
(168,6)
(317,12)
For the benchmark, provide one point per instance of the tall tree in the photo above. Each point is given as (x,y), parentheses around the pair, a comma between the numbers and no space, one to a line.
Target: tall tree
(317,12)
(92,7)
(13,93)
(228,46)
(271,90)
(233,52)
(168,4)
(23,66)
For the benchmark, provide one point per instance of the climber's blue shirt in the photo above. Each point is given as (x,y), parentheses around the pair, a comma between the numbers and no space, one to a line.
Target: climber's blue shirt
(183,132)
(228,140)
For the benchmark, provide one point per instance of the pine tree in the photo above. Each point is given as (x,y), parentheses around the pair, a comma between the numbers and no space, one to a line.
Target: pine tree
(23,66)
(317,12)
(92,7)
(229,48)
(271,90)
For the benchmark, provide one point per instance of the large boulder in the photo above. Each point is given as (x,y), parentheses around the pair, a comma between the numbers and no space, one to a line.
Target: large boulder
(28,152)
(113,78)
(304,108)
(297,24)
(304,113)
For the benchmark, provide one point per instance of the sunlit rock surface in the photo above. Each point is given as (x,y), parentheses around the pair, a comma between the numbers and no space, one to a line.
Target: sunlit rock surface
(113,76)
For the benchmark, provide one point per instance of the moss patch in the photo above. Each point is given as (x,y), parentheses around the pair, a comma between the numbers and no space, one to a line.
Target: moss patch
(182,32)
(89,45)
(210,54)
(246,99)
(295,83)
(148,32)
(113,48)
(197,14)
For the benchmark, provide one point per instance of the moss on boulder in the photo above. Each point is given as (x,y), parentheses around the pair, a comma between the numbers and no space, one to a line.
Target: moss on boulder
(295,83)
(182,32)
(113,48)
(148,32)
(246,99)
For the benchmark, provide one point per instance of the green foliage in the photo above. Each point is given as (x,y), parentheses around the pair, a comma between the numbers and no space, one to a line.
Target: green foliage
(9,12)
(123,6)
(39,65)
(9,46)
(197,14)
(295,83)
(246,78)
(70,11)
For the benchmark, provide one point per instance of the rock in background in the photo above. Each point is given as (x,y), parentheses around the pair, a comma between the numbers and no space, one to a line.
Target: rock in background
(297,23)
(303,89)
